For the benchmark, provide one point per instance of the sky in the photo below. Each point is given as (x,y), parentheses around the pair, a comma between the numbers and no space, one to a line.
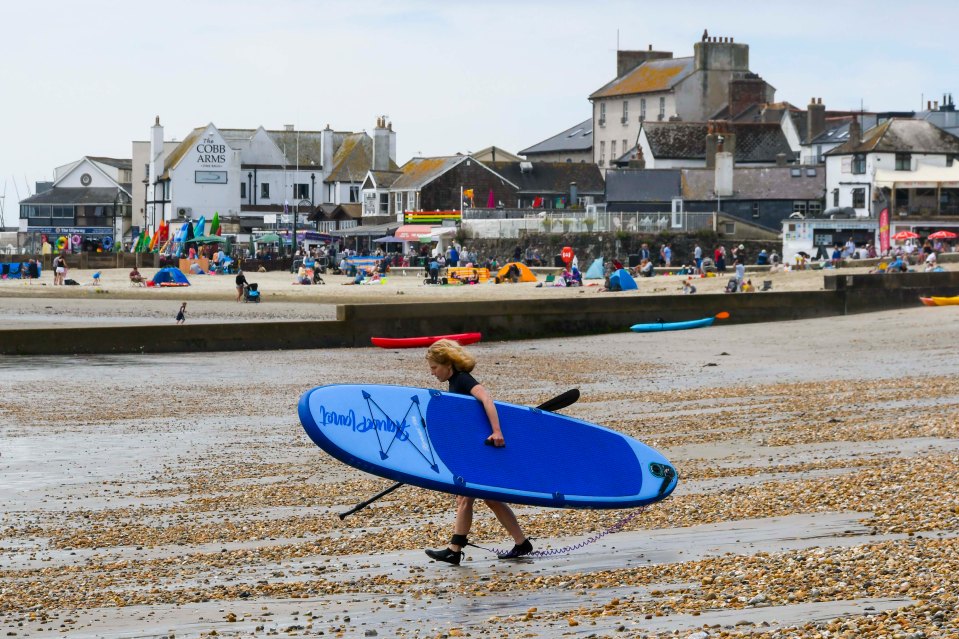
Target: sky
(88,78)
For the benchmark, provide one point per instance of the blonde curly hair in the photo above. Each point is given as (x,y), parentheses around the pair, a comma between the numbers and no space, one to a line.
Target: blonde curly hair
(446,351)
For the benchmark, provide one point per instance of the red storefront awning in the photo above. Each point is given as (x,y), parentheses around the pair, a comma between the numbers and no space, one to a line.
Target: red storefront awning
(412,232)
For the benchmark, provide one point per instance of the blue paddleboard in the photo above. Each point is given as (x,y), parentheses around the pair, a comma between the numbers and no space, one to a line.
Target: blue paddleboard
(435,440)
(672,326)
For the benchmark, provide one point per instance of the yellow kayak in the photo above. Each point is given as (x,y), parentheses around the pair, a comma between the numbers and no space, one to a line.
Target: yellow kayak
(940,301)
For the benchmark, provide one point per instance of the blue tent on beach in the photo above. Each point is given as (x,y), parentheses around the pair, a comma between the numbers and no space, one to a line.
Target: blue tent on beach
(170,276)
(621,280)
(595,270)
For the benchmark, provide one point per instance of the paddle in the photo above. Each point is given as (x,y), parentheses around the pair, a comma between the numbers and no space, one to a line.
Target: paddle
(562,400)
(723,315)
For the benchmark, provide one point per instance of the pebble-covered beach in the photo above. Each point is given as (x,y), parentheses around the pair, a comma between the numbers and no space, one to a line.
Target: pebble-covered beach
(178,496)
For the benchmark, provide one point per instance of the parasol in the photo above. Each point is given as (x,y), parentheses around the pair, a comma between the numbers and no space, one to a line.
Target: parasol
(905,235)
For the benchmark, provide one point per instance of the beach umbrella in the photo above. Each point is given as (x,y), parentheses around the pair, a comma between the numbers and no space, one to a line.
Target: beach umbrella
(943,235)
(269,238)
(209,239)
(905,235)
(387,239)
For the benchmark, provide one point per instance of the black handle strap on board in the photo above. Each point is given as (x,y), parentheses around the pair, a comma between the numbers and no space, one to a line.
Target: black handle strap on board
(567,398)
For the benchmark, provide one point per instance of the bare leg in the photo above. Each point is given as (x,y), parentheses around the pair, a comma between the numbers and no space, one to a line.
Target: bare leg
(507,518)
(464,519)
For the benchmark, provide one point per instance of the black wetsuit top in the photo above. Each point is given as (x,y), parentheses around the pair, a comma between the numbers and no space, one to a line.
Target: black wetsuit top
(462,383)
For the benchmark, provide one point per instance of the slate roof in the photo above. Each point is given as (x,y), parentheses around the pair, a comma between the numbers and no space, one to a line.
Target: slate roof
(650,76)
(353,159)
(643,185)
(330,212)
(759,183)
(755,141)
(385,179)
(578,137)
(79,196)
(372,230)
(901,136)
(946,120)
(177,154)
(118,163)
(310,146)
(421,171)
(551,177)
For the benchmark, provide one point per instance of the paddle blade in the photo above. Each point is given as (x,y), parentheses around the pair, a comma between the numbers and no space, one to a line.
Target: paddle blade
(560,401)
(723,315)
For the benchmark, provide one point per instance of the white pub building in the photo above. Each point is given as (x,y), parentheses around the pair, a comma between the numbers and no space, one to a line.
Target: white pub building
(255,178)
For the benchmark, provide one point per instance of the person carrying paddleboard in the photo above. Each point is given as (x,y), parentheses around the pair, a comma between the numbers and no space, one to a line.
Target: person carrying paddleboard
(450,362)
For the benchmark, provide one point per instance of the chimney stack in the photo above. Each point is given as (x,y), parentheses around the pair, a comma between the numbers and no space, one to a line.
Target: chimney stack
(815,119)
(723,174)
(626,61)
(855,131)
(326,149)
(156,151)
(380,147)
(719,138)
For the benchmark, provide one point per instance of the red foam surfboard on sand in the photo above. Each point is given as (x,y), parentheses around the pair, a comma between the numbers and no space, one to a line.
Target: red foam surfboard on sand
(417,342)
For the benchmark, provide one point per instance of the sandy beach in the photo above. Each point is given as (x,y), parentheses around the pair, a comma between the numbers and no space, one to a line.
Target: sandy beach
(211,298)
(177,495)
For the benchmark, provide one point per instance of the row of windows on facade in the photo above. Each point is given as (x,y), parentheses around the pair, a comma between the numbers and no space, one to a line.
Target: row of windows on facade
(612,150)
(300,191)
(66,212)
(642,111)
(903,162)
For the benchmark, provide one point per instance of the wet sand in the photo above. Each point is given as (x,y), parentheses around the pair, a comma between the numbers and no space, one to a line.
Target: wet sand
(178,495)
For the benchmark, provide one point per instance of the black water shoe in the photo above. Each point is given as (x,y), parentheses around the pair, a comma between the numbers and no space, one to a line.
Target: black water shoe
(518,550)
(449,556)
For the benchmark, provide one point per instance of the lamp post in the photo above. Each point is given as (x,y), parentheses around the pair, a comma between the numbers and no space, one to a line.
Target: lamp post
(116,204)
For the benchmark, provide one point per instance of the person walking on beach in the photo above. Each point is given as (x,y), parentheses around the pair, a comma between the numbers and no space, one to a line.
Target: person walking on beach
(450,362)
(59,270)
(240,284)
(181,314)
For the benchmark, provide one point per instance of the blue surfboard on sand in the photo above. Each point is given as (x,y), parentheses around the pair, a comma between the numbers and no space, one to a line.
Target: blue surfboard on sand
(435,440)
(672,326)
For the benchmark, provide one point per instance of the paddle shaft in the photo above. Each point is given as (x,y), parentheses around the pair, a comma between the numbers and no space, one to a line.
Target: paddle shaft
(561,401)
